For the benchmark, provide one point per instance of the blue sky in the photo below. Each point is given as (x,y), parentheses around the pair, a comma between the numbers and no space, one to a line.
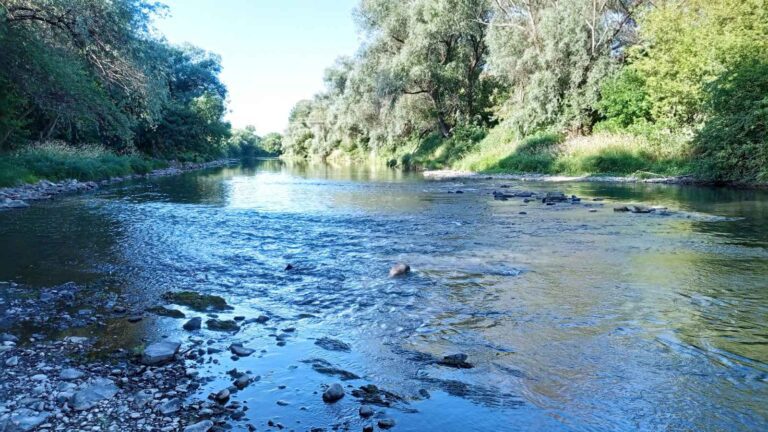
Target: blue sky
(273,52)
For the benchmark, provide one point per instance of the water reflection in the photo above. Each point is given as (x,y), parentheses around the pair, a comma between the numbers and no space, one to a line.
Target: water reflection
(574,320)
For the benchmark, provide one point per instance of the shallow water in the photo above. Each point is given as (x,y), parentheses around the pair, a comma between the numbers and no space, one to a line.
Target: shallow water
(574,320)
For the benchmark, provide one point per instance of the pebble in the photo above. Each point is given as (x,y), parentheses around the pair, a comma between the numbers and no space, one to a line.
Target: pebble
(334,393)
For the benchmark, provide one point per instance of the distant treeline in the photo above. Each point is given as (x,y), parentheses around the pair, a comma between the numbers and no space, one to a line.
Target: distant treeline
(94,72)
(679,86)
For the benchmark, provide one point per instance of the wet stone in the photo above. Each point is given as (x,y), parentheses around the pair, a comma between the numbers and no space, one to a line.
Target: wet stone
(197,301)
(240,350)
(365,411)
(399,269)
(166,312)
(456,361)
(334,393)
(70,374)
(332,344)
(160,352)
(193,324)
(203,426)
(222,325)
(386,423)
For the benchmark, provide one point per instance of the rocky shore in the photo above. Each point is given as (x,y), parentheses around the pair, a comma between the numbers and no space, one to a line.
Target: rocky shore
(456,175)
(20,196)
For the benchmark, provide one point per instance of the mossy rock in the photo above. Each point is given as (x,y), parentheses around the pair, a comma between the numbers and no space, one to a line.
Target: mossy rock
(222,325)
(197,301)
(166,312)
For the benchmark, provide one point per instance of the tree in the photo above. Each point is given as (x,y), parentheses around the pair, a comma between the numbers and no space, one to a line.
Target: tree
(554,56)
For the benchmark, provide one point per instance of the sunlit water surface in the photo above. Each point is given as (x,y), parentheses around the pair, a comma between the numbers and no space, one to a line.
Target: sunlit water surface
(574,320)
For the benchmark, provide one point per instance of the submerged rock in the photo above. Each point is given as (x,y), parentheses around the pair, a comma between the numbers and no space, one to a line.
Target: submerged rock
(332,344)
(365,411)
(222,325)
(334,393)
(326,368)
(160,352)
(456,361)
(197,301)
(399,269)
(386,423)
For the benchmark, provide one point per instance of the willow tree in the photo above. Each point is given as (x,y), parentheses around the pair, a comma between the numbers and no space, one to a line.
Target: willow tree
(554,54)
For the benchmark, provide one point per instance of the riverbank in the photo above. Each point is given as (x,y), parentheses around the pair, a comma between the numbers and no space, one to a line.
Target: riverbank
(20,196)
(439,175)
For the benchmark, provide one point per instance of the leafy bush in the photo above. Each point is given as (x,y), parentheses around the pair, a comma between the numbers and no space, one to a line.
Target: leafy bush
(733,144)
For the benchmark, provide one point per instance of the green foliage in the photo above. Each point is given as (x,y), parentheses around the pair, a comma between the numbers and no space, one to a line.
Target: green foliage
(624,101)
(93,72)
(733,144)
(57,161)
(708,39)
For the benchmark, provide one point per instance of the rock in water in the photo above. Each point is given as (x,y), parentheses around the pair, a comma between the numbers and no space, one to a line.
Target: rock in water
(98,390)
(240,350)
(456,361)
(399,269)
(222,397)
(386,423)
(222,325)
(365,411)
(170,407)
(554,197)
(332,344)
(334,393)
(193,324)
(160,352)
(203,426)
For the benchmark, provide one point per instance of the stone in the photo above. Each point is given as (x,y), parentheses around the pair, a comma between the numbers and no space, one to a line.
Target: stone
(203,426)
(99,389)
(399,269)
(386,423)
(334,393)
(242,381)
(365,411)
(222,325)
(456,361)
(160,352)
(24,420)
(241,351)
(332,344)
(166,312)
(554,197)
(70,374)
(193,324)
(222,397)
(12,361)
(170,407)
(197,301)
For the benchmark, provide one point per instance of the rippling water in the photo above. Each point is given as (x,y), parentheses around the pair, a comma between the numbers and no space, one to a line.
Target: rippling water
(574,320)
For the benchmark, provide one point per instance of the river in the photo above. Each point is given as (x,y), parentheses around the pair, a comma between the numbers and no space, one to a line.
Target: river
(574,320)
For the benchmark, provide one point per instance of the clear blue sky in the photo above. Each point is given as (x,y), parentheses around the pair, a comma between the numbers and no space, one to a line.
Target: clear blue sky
(273,52)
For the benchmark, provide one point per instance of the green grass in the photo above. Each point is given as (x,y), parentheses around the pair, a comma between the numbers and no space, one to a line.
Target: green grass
(56,161)
(599,154)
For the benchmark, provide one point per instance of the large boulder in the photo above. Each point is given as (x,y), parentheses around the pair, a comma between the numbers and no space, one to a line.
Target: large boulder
(160,353)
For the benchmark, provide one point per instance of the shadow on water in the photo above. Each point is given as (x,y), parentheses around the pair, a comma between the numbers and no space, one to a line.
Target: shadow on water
(574,320)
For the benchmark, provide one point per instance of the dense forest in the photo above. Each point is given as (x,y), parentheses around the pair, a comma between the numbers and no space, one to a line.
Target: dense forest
(578,86)
(88,90)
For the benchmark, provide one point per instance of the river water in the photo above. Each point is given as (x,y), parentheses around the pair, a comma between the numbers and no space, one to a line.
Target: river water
(574,320)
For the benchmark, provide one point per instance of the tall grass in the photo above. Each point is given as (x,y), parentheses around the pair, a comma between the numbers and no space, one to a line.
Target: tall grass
(601,153)
(57,161)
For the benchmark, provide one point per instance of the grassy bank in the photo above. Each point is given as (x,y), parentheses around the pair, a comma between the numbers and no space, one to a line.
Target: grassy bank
(55,161)
(502,151)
